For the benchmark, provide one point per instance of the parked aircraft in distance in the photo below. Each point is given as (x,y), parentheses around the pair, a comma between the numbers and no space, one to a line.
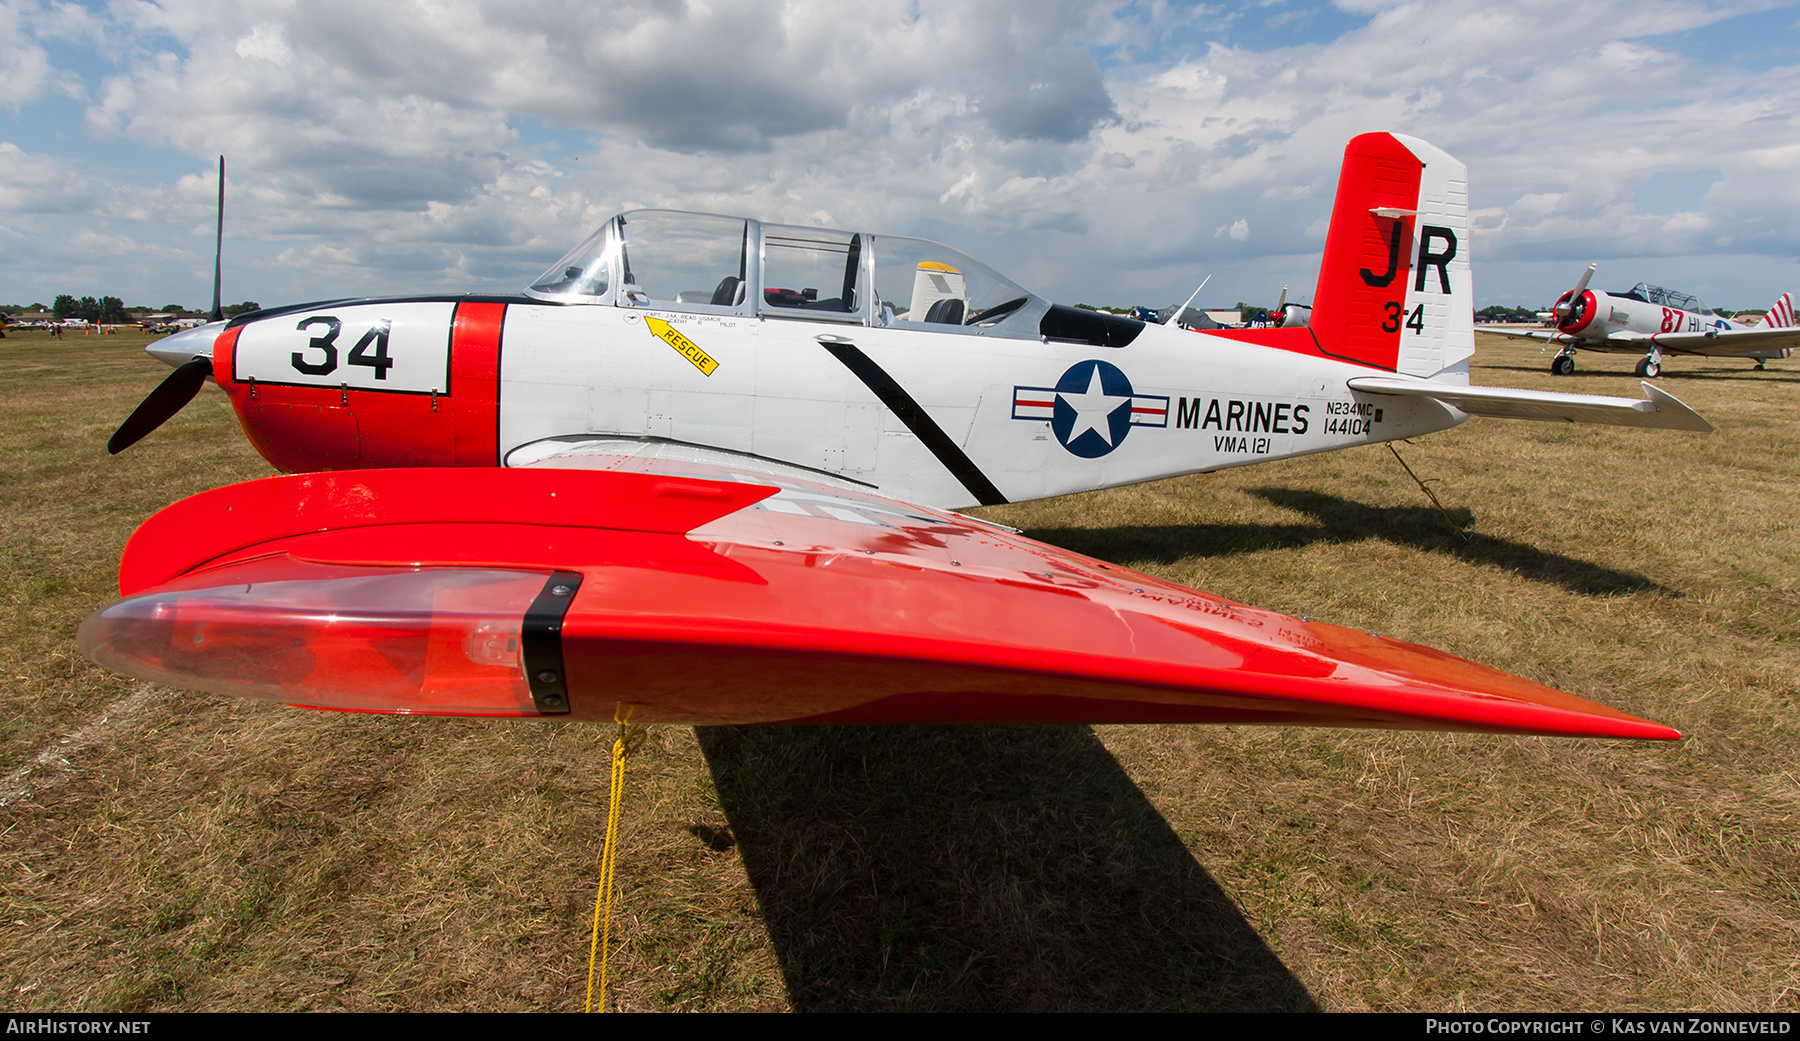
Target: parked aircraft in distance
(1290,316)
(703,470)
(1651,320)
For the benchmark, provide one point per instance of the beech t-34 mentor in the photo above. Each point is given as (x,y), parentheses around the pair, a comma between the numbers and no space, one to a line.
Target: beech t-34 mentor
(704,470)
(1651,320)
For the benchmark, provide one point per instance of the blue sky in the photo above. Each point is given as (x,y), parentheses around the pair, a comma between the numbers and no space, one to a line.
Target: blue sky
(1100,152)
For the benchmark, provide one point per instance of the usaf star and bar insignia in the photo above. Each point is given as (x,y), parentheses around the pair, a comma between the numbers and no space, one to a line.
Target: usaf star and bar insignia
(1091,408)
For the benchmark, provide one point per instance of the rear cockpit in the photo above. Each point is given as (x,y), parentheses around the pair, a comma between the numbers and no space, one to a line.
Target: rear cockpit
(708,264)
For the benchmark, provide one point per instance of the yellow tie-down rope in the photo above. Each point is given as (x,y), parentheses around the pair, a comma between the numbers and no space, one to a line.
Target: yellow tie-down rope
(1466,534)
(630,739)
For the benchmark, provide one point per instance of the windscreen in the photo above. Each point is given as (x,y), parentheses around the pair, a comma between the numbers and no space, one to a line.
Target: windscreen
(582,275)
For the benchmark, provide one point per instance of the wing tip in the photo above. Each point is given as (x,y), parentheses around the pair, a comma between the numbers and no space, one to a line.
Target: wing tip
(1685,417)
(1625,728)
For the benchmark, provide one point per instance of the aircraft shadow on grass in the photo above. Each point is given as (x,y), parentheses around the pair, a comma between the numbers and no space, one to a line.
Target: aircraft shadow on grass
(977,868)
(1336,519)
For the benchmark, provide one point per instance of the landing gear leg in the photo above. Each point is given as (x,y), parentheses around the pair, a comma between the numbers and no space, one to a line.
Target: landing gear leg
(1652,365)
(1563,363)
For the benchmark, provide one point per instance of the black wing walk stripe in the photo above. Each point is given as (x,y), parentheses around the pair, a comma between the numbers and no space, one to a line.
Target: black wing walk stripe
(901,404)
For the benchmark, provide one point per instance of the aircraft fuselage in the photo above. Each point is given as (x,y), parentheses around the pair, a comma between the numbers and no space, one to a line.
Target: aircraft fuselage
(944,418)
(1608,322)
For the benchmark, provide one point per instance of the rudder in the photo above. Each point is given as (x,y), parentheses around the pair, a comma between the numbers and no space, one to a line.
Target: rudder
(1395,291)
(1781,316)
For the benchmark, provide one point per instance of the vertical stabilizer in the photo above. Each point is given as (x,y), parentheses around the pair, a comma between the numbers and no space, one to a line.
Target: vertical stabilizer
(1394,286)
(1781,316)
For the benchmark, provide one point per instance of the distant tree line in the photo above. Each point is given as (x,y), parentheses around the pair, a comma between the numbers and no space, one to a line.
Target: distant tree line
(110,309)
(105,309)
(1502,313)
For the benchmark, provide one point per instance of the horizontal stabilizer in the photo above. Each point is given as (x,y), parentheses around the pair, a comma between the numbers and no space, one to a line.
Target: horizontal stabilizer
(806,602)
(1661,409)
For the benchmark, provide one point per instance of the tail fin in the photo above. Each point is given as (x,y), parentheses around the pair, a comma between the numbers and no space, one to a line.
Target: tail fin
(1781,316)
(1394,287)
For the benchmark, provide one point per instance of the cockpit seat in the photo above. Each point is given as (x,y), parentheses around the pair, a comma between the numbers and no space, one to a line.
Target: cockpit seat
(946,312)
(730,292)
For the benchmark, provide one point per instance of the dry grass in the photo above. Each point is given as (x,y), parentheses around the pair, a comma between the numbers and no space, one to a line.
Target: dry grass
(178,851)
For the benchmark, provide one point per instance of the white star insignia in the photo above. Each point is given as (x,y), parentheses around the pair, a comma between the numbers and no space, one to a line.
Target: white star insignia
(1093,409)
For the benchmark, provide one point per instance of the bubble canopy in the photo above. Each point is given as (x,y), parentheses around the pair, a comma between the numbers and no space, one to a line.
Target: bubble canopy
(707,263)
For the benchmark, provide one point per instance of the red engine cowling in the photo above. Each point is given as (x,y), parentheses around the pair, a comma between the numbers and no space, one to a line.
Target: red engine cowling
(1581,311)
(302,426)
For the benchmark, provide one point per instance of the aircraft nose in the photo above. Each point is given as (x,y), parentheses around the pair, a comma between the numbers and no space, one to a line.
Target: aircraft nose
(179,348)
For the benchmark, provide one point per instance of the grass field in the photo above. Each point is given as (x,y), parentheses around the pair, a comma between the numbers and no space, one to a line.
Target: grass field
(175,851)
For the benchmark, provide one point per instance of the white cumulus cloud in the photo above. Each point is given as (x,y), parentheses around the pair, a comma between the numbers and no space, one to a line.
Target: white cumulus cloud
(1111,152)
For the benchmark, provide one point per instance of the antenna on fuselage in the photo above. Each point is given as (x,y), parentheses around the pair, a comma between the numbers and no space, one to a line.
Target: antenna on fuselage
(219,247)
(1175,319)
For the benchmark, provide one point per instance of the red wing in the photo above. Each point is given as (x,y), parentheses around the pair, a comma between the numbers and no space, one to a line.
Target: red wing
(710,590)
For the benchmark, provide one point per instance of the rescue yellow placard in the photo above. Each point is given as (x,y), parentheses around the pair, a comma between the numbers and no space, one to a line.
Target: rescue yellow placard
(683,346)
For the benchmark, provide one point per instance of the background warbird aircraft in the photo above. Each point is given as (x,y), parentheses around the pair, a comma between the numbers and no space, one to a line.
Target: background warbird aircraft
(1290,316)
(1650,320)
(701,469)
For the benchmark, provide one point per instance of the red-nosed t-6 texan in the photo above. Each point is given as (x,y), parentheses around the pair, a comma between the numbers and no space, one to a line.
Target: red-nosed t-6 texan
(1650,320)
(704,469)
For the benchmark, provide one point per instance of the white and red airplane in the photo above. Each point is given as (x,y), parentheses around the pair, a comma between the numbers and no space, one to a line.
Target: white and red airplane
(704,470)
(1651,320)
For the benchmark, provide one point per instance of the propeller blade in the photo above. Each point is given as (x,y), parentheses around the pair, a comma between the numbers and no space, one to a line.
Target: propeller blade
(218,256)
(169,397)
(1581,286)
(1281,303)
(1566,306)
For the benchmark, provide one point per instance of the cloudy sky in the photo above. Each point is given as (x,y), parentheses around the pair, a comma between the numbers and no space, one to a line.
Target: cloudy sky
(1101,152)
